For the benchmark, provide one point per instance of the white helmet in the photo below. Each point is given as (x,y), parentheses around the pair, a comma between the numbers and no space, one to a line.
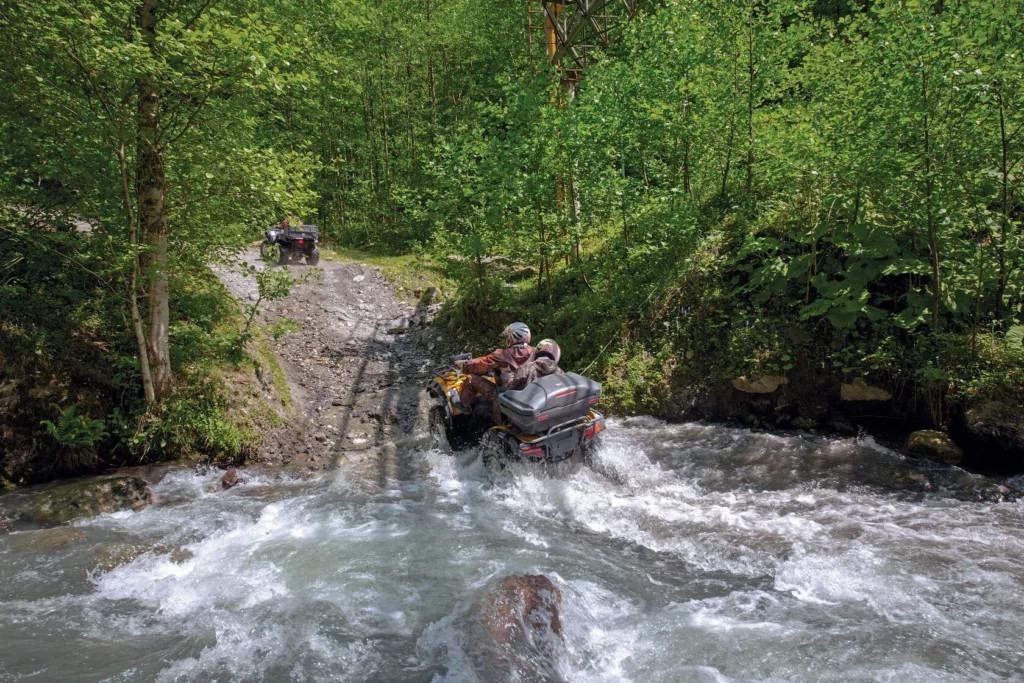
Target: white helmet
(549,346)
(516,333)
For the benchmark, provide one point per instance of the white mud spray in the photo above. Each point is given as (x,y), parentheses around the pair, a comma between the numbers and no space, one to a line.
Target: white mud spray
(687,553)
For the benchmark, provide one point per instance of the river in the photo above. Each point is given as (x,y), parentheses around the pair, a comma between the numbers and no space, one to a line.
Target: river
(688,552)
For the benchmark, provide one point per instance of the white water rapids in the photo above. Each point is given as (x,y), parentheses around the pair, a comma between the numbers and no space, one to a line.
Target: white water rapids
(688,553)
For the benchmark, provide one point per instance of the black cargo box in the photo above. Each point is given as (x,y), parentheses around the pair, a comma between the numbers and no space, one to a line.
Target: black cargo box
(549,402)
(305,232)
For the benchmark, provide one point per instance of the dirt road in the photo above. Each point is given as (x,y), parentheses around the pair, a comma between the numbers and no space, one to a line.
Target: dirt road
(357,388)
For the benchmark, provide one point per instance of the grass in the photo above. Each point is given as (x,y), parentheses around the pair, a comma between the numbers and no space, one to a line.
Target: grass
(408,272)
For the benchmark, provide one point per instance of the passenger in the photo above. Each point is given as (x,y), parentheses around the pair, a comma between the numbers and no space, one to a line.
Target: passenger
(504,362)
(544,363)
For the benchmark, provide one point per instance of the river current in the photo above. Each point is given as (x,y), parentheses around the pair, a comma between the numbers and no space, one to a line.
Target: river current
(689,552)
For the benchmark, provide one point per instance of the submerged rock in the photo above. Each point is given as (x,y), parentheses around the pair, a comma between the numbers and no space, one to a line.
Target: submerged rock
(114,555)
(55,539)
(62,503)
(933,445)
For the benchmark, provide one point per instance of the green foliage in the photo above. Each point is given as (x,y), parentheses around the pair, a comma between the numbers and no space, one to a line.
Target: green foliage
(636,381)
(75,431)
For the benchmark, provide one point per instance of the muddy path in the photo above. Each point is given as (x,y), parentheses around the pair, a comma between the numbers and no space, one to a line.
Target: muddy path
(357,388)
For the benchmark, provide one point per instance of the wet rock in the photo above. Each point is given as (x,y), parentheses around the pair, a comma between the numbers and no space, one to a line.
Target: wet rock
(859,390)
(55,539)
(996,429)
(520,628)
(114,555)
(521,604)
(343,401)
(933,445)
(804,423)
(62,503)
(229,479)
(761,385)
(6,526)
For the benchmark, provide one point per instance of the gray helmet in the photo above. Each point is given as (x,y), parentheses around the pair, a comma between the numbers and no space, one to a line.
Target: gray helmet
(516,333)
(549,346)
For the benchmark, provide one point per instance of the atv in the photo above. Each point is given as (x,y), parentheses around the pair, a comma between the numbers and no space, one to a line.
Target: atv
(285,245)
(548,421)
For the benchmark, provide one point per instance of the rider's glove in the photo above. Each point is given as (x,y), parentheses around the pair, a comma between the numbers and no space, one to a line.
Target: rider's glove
(460,364)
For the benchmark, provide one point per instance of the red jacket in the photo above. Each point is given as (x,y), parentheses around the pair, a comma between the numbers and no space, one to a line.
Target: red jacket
(505,360)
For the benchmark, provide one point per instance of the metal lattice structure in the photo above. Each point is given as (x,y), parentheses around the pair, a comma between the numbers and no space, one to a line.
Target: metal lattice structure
(574,30)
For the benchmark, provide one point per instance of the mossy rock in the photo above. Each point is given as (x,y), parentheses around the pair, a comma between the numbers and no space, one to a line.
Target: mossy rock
(933,445)
(63,503)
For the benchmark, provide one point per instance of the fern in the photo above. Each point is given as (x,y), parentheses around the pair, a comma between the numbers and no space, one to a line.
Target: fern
(74,431)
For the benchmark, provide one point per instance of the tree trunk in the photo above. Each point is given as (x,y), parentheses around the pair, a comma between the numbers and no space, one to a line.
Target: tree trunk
(1004,217)
(133,283)
(929,188)
(151,190)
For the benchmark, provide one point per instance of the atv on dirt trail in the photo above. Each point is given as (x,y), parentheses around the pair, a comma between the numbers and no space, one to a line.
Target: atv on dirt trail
(288,244)
(548,421)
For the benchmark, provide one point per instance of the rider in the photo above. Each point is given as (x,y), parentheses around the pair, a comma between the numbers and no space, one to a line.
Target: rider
(504,361)
(544,363)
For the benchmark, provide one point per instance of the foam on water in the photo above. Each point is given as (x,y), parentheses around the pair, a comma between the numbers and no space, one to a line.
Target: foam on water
(684,553)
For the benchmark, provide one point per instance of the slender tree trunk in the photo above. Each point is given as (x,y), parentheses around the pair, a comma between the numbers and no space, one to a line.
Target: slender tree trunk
(151,190)
(1004,218)
(751,73)
(929,188)
(133,283)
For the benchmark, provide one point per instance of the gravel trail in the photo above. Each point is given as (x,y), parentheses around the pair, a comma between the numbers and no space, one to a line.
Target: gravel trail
(357,389)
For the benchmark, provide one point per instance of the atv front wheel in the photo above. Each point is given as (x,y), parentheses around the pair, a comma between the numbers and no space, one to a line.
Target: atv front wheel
(314,257)
(270,253)
(283,256)
(439,428)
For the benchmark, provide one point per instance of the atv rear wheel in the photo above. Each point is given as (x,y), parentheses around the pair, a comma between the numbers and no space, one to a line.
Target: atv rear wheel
(283,256)
(313,258)
(497,451)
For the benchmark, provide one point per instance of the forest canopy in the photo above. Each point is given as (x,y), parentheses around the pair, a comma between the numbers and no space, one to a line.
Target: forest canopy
(732,187)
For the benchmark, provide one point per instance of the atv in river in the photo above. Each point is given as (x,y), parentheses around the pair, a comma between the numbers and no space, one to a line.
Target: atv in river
(290,244)
(550,420)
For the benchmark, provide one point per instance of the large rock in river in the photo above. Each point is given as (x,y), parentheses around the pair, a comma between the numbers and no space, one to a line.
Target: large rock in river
(933,445)
(518,635)
(66,502)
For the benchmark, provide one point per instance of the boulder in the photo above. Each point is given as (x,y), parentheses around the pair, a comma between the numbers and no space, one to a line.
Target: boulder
(933,445)
(399,326)
(62,503)
(229,479)
(518,631)
(996,429)
(762,385)
(521,605)
(859,390)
